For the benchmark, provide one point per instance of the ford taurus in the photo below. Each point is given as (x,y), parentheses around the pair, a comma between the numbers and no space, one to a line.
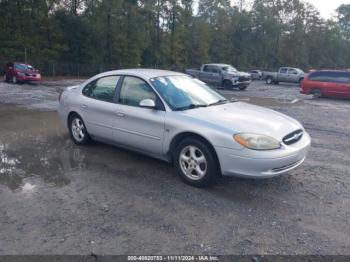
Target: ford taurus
(179,119)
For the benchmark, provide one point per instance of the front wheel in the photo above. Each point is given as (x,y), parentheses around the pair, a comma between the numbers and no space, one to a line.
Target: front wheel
(227,84)
(317,93)
(77,130)
(195,163)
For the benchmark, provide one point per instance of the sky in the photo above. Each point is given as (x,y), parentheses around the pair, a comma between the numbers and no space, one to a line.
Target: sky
(327,7)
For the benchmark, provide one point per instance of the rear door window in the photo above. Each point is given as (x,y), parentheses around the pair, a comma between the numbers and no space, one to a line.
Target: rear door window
(283,70)
(330,76)
(102,89)
(207,68)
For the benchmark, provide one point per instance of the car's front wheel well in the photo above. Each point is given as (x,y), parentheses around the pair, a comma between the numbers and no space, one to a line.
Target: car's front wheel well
(178,138)
(70,115)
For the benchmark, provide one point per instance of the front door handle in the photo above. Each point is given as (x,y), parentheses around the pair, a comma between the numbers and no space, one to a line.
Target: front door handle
(120,114)
(84,106)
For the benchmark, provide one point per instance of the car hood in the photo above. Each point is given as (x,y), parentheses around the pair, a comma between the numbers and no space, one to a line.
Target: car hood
(30,71)
(241,117)
(238,73)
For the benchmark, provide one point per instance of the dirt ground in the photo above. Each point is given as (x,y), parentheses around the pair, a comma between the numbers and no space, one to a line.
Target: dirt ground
(58,198)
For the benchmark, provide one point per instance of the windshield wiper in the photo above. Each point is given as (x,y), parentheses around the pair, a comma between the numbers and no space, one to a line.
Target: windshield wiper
(191,106)
(219,102)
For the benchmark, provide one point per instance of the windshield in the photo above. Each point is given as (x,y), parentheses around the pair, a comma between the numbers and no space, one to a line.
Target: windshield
(229,68)
(24,67)
(184,92)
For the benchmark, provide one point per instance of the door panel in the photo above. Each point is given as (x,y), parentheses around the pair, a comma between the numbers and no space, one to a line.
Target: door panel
(283,75)
(99,107)
(135,126)
(140,128)
(99,117)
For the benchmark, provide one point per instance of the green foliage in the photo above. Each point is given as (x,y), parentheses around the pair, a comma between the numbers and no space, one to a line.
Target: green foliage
(172,34)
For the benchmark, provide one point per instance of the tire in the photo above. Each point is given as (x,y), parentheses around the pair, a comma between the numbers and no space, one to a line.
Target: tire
(269,80)
(317,93)
(77,130)
(196,163)
(242,88)
(227,84)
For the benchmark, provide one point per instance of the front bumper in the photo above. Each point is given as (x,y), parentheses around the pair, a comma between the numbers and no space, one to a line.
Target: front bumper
(36,78)
(242,83)
(263,164)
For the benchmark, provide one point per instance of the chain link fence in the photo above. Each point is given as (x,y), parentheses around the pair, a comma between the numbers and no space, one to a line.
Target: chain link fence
(56,69)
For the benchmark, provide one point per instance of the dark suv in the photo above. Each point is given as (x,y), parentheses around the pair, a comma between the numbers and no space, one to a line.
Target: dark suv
(21,72)
(331,83)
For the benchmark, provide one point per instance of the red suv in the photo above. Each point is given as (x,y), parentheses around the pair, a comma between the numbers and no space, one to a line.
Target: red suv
(331,83)
(20,72)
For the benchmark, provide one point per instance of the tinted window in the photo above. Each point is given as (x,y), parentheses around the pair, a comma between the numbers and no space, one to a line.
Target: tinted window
(134,90)
(102,89)
(283,70)
(292,71)
(330,76)
(207,68)
(215,70)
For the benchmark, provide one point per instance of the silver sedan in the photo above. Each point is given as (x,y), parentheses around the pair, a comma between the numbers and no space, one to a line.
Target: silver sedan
(179,119)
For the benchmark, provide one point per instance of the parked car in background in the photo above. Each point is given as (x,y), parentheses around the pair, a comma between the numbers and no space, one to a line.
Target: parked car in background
(284,74)
(21,72)
(221,75)
(179,119)
(256,74)
(330,83)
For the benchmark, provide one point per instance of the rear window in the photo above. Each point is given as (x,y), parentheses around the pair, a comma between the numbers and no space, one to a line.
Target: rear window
(330,76)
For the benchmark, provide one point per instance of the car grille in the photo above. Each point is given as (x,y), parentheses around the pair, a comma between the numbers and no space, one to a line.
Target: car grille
(244,78)
(33,75)
(293,137)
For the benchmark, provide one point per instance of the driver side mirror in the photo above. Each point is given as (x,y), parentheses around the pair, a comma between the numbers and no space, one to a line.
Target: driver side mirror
(147,103)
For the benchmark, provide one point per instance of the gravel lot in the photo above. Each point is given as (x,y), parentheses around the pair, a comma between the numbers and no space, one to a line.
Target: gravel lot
(57,198)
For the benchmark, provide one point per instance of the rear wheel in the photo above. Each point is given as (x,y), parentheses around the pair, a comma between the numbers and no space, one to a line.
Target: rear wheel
(77,130)
(269,80)
(195,163)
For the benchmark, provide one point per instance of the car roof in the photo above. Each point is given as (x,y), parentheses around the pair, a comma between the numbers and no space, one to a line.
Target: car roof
(218,64)
(143,73)
(329,70)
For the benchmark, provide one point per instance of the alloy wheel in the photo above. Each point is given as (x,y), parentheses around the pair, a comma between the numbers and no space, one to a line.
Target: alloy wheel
(78,129)
(193,162)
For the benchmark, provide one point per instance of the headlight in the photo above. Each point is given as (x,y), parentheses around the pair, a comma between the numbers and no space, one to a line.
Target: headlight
(257,142)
